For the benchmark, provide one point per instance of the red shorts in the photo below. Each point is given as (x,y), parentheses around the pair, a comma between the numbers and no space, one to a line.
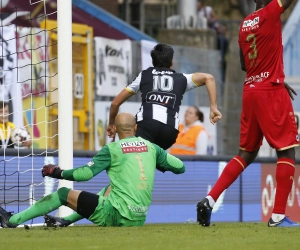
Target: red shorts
(268,113)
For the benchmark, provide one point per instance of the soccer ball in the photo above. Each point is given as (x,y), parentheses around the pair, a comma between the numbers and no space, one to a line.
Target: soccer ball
(20,135)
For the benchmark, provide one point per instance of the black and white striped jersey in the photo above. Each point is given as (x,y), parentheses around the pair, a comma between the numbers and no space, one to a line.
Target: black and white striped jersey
(162,90)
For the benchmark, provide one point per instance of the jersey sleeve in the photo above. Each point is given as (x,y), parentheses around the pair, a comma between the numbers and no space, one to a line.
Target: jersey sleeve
(86,172)
(274,9)
(134,87)
(190,84)
(168,162)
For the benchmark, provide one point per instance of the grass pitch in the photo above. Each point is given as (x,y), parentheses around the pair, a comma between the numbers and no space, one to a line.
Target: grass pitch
(153,236)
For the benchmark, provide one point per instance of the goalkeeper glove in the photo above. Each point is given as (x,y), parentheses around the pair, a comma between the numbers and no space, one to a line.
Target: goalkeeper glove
(52,171)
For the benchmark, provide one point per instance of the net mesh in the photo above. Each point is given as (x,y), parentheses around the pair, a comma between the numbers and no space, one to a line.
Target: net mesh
(28,96)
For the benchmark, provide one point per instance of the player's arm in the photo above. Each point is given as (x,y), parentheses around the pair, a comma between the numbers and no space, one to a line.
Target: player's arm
(285,3)
(114,109)
(208,80)
(125,94)
(167,162)
(242,61)
(86,172)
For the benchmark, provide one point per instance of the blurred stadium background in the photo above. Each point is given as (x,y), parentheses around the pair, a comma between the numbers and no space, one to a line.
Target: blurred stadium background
(111,44)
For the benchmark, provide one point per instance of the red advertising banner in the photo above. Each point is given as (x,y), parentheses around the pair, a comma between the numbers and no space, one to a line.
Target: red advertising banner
(268,190)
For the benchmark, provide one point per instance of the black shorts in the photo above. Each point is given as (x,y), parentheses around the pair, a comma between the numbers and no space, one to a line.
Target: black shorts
(156,132)
(87,203)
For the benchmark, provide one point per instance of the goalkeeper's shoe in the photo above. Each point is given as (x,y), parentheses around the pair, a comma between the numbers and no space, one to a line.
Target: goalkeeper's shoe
(285,222)
(52,221)
(203,212)
(4,219)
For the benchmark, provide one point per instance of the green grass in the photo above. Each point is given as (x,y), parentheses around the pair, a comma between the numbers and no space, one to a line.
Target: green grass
(155,236)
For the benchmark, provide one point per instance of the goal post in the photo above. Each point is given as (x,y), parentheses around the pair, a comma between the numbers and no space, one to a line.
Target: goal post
(65,99)
(50,54)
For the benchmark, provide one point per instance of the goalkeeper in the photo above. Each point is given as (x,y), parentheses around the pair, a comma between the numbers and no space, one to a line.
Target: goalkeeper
(130,164)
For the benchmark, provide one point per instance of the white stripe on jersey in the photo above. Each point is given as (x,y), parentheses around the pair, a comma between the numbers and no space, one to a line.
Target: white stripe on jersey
(139,115)
(190,84)
(177,121)
(135,85)
(159,113)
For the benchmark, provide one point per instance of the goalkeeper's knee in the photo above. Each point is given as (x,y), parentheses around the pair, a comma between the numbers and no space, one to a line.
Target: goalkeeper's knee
(63,195)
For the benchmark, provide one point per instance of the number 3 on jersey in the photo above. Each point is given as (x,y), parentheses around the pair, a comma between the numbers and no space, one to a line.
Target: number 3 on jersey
(252,56)
(163,83)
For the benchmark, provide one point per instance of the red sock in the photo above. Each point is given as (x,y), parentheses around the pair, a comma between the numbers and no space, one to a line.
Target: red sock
(230,173)
(284,177)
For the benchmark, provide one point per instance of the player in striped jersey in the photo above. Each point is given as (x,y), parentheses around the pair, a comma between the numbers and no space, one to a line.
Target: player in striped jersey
(162,90)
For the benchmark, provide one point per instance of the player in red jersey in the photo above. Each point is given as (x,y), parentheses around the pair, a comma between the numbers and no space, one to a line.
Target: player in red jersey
(266,110)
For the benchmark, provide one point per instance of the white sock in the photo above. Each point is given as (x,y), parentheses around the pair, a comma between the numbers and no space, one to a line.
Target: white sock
(277,217)
(211,201)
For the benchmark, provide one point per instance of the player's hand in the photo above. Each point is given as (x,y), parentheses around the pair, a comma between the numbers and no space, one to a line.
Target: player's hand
(215,116)
(52,171)
(290,90)
(111,130)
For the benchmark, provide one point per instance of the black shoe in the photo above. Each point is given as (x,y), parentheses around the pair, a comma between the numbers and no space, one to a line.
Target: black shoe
(203,212)
(52,221)
(4,219)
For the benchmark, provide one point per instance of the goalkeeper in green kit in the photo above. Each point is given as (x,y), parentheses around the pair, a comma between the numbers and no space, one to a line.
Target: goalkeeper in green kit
(130,164)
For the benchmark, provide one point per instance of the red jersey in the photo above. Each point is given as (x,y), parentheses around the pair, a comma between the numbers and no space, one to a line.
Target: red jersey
(260,39)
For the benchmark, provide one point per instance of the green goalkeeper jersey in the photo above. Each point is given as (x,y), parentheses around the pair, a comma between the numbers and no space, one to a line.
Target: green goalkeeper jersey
(130,164)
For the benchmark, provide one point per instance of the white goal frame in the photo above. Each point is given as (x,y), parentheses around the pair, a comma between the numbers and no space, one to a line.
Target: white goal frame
(65,93)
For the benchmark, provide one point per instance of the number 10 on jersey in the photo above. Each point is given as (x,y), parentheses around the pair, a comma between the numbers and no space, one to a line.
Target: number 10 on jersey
(163,83)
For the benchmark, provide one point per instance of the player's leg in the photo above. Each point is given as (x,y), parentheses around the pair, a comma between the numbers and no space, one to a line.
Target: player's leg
(43,206)
(52,221)
(279,127)
(145,130)
(250,141)
(167,136)
(94,207)
(281,133)
(284,181)
(98,209)
(72,199)
(157,132)
(230,173)
(84,203)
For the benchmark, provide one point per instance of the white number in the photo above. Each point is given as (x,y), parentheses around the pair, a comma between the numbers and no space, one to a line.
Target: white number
(79,81)
(164,83)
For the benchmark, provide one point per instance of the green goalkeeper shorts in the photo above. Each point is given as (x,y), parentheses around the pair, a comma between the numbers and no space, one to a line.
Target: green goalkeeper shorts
(107,216)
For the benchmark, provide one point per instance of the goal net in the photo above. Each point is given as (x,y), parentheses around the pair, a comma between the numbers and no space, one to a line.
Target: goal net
(28,95)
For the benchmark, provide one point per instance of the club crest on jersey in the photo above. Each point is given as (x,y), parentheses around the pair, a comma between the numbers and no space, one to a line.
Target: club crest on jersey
(251,23)
(91,163)
(133,147)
